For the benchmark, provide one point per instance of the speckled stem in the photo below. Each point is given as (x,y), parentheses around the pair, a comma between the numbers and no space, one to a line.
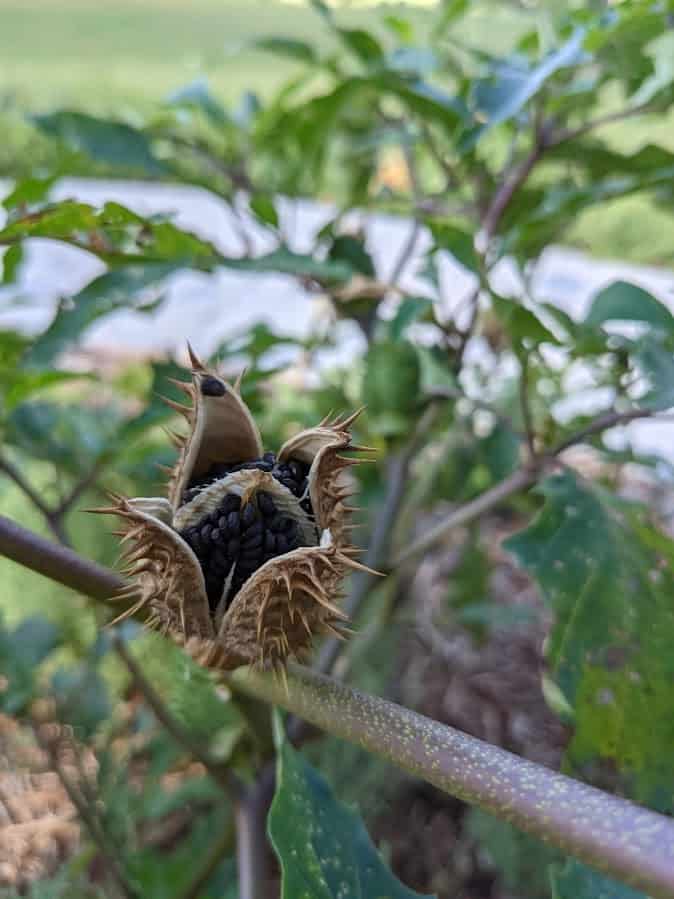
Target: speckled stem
(623,840)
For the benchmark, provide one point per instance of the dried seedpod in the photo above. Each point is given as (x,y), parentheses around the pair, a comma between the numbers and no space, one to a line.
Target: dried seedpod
(243,562)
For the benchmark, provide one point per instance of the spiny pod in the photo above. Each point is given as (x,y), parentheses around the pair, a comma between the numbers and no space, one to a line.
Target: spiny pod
(242,564)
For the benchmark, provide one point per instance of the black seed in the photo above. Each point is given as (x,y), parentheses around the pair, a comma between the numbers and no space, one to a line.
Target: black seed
(275,524)
(231,503)
(222,523)
(296,470)
(233,524)
(281,544)
(211,386)
(206,532)
(249,515)
(233,548)
(269,543)
(291,484)
(269,457)
(254,541)
(266,504)
(215,536)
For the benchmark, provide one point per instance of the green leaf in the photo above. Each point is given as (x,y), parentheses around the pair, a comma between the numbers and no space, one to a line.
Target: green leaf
(109,142)
(622,301)
(197,95)
(609,577)
(410,310)
(362,44)
(301,51)
(576,881)
(391,386)
(512,85)
(82,699)
(11,262)
(21,652)
(456,241)
(656,362)
(661,51)
(122,288)
(322,846)
(29,192)
(264,208)
(524,328)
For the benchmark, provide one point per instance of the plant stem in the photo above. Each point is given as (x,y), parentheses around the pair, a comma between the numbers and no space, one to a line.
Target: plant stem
(252,851)
(58,563)
(519,480)
(221,775)
(52,517)
(615,836)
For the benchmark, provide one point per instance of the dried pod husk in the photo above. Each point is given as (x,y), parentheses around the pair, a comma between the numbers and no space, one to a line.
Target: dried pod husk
(242,564)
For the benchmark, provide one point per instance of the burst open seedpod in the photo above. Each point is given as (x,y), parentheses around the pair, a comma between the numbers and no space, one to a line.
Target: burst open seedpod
(243,562)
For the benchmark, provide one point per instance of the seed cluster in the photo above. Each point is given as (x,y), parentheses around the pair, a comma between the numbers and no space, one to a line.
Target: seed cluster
(235,540)
(292,474)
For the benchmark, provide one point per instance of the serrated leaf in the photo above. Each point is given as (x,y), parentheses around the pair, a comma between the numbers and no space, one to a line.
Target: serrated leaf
(609,577)
(574,880)
(103,140)
(322,846)
(622,301)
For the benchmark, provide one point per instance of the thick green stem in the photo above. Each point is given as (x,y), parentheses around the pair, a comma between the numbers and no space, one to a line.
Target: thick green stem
(623,840)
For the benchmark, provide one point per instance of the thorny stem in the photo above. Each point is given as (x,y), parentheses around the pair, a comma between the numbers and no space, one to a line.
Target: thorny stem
(615,836)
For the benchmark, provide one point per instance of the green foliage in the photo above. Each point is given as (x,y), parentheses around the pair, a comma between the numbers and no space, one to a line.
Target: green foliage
(323,847)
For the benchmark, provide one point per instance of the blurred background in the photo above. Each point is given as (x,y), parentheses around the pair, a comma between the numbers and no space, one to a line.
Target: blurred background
(457,213)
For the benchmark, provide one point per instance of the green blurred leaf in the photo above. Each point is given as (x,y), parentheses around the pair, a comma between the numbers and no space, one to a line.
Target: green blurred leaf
(609,577)
(29,192)
(323,847)
(661,52)
(21,652)
(264,208)
(410,310)
(455,241)
(656,363)
(522,325)
(197,95)
(301,51)
(391,386)
(622,301)
(82,699)
(11,261)
(103,140)
(123,288)
(512,84)
(574,880)
(362,44)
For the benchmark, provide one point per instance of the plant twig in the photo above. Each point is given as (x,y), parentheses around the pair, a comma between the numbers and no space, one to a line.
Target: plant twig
(58,563)
(396,480)
(223,846)
(519,480)
(621,839)
(107,853)
(252,850)
(51,516)
(526,407)
(602,423)
(221,775)
(567,134)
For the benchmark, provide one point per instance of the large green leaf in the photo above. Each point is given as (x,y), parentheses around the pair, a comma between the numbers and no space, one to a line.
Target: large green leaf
(622,301)
(574,880)
(655,360)
(608,576)
(323,847)
(105,141)
(116,289)
(21,652)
